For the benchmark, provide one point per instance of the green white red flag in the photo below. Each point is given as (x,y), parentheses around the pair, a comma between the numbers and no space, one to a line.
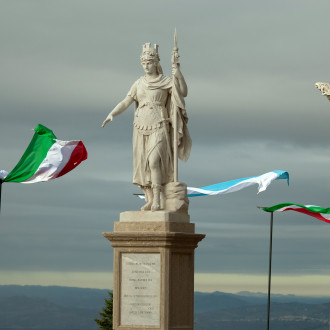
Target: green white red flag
(312,210)
(46,158)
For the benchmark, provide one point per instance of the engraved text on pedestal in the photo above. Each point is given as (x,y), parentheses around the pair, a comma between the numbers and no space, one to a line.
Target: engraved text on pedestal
(140,289)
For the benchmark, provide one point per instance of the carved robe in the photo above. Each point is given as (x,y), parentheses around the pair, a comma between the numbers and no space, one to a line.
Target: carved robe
(152,130)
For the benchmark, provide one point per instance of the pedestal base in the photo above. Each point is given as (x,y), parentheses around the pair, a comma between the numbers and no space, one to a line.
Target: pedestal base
(153,273)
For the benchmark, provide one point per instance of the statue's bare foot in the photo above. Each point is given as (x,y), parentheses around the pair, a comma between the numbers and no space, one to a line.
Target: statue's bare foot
(149,197)
(155,207)
(146,207)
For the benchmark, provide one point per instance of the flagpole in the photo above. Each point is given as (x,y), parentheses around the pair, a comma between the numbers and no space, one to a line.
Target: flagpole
(0,192)
(270,267)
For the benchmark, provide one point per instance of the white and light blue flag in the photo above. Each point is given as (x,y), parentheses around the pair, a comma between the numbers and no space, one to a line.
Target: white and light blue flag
(263,181)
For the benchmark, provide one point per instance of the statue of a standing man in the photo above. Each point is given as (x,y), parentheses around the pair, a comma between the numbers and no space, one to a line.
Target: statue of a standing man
(157,99)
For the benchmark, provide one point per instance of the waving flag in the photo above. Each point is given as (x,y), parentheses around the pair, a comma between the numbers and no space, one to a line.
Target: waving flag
(312,210)
(263,181)
(46,158)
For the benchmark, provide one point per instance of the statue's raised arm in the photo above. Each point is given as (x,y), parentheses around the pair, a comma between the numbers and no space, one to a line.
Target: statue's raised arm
(177,74)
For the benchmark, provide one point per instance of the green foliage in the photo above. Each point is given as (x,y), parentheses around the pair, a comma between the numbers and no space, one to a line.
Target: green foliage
(106,316)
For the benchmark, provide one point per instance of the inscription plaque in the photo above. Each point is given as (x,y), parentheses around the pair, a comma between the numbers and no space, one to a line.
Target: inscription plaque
(140,289)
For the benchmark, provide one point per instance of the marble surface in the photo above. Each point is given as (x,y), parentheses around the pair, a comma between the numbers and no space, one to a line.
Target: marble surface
(140,289)
(149,216)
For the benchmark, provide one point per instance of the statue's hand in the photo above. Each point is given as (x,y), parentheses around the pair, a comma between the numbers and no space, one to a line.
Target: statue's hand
(176,71)
(107,120)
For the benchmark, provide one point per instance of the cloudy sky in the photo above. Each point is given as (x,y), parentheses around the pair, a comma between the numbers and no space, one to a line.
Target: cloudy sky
(250,67)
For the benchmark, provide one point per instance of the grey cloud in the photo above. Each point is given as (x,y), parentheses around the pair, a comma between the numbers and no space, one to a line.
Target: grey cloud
(252,105)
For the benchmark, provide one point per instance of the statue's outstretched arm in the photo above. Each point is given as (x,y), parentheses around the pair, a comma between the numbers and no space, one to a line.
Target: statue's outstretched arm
(120,108)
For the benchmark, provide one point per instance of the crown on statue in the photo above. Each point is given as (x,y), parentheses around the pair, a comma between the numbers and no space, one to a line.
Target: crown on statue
(149,53)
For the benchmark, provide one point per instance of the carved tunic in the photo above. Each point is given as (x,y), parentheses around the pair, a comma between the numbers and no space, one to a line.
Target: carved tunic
(151,138)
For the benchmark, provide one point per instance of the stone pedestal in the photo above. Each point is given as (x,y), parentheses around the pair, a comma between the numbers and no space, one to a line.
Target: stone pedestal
(153,270)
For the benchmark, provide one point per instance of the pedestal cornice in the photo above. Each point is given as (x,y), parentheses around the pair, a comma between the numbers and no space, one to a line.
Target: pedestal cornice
(154,239)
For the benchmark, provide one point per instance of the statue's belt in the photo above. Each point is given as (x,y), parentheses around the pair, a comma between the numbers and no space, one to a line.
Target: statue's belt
(150,104)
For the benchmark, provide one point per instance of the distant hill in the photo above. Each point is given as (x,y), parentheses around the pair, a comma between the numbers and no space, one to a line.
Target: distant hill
(36,313)
(207,302)
(57,308)
(63,296)
(288,316)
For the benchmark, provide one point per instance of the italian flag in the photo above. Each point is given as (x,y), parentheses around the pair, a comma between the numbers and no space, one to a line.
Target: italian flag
(312,210)
(46,158)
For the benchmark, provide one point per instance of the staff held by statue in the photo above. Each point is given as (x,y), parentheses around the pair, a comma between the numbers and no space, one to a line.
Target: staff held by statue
(175,64)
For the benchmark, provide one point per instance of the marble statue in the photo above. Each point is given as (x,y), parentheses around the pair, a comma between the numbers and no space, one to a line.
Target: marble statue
(324,88)
(159,101)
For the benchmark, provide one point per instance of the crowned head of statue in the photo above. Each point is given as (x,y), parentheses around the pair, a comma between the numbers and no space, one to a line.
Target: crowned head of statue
(150,59)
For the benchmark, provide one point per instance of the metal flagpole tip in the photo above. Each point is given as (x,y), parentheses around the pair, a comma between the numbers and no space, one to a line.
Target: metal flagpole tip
(3,175)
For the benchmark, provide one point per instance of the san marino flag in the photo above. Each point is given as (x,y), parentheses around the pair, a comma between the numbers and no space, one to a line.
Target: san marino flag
(46,158)
(263,181)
